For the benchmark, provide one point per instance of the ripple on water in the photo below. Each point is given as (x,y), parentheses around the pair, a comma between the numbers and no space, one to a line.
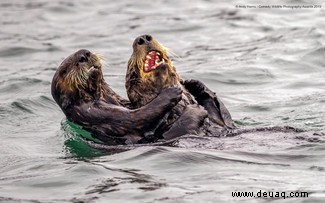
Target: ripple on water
(21,51)
(267,64)
(17,51)
(18,88)
(315,57)
(22,106)
(38,105)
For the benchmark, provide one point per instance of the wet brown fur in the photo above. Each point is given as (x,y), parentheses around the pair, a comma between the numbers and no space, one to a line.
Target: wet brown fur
(143,86)
(86,99)
(150,83)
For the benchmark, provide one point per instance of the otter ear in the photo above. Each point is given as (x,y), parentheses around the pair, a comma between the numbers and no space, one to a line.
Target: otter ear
(64,101)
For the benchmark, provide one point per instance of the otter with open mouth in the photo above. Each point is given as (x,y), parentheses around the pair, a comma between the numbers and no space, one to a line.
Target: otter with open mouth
(150,70)
(80,90)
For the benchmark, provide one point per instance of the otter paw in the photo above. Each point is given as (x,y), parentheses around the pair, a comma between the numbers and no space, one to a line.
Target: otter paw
(203,113)
(196,111)
(195,87)
(93,74)
(174,94)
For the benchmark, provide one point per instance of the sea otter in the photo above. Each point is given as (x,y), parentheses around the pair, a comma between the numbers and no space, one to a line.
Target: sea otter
(78,87)
(150,70)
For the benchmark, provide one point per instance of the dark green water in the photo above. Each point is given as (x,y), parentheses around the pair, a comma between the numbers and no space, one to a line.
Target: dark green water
(266,64)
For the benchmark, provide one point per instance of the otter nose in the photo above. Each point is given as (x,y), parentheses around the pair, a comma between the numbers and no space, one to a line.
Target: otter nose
(144,39)
(84,55)
(83,58)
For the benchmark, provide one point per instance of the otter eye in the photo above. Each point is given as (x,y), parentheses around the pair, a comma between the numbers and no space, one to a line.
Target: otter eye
(88,54)
(140,41)
(82,59)
(148,37)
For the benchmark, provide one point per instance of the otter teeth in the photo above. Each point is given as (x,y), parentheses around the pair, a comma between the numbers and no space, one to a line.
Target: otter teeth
(153,60)
(90,69)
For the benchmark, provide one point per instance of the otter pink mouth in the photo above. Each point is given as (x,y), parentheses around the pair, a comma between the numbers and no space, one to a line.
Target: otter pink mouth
(153,60)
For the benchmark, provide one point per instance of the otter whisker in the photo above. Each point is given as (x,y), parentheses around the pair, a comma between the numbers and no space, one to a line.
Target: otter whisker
(174,55)
(170,52)
(106,64)
(77,79)
(101,58)
(84,76)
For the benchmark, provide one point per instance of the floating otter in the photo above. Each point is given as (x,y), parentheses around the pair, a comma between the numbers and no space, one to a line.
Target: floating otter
(79,89)
(150,70)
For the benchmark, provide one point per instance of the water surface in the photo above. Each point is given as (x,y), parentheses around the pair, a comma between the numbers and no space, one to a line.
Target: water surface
(267,65)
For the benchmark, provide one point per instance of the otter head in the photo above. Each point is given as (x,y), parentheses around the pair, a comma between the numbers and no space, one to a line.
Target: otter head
(150,64)
(78,76)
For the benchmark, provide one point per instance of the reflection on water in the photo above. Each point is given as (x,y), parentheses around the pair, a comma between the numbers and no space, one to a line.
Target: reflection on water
(266,64)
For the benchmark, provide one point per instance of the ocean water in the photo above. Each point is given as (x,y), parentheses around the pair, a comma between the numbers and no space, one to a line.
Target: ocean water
(266,64)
